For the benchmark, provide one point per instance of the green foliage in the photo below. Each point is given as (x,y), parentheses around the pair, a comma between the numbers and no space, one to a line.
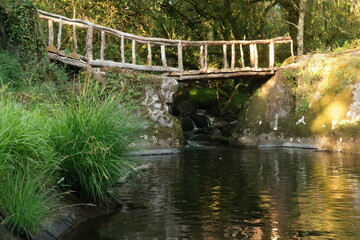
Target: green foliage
(27,165)
(11,72)
(91,134)
(203,96)
(25,201)
(21,28)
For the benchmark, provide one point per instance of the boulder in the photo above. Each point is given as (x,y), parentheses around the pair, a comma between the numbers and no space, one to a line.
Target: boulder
(201,121)
(187,124)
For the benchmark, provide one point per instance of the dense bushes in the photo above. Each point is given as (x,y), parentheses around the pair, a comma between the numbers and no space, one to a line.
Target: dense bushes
(70,132)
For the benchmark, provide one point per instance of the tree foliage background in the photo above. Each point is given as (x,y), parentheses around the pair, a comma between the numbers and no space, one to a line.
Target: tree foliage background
(328,23)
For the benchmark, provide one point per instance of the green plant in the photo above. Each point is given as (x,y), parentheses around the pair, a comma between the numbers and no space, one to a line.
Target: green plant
(27,167)
(92,133)
(25,200)
(22,28)
(11,72)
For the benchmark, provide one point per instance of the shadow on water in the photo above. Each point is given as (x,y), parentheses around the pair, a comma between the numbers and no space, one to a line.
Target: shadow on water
(227,193)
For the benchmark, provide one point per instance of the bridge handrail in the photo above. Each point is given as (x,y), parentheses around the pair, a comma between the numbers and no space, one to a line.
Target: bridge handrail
(157,41)
(141,39)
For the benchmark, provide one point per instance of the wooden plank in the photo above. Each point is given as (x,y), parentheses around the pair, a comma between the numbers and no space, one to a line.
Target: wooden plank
(89,43)
(103,45)
(229,70)
(66,60)
(272,55)
(225,65)
(233,56)
(108,63)
(242,56)
(163,55)
(76,47)
(225,75)
(254,59)
(122,49)
(180,59)
(149,56)
(292,50)
(51,32)
(256,56)
(202,65)
(59,35)
(133,51)
(206,57)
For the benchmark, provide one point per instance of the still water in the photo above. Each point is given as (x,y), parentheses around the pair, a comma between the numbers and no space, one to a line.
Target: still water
(228,193)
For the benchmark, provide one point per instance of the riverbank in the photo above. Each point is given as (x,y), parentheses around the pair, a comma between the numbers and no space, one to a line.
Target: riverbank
(314,102)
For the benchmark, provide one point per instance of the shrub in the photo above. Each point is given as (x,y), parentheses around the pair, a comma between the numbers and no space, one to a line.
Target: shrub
(91,135)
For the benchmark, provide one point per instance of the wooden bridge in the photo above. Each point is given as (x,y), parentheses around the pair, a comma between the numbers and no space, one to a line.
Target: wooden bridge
(95,41)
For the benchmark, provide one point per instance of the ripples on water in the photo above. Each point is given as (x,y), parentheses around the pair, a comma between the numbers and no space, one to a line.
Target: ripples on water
(227,193)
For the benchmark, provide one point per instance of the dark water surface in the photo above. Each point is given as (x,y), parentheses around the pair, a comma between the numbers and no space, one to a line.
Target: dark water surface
(226,193)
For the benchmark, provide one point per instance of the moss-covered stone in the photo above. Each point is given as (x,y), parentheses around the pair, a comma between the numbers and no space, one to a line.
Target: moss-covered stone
(317,98)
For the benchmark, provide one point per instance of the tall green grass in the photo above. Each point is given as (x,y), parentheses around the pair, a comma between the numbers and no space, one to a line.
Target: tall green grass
(27,165)
(51,128)
(92,133)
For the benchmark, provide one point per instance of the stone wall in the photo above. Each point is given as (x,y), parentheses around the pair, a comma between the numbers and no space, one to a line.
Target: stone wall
(164,130)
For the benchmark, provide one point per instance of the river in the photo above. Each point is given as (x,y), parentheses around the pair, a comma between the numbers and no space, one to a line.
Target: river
(230,193)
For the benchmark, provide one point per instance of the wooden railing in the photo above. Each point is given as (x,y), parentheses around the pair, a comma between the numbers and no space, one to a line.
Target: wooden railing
(153,42)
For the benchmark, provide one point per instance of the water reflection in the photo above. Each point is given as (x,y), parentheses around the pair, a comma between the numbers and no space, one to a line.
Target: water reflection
(239,194)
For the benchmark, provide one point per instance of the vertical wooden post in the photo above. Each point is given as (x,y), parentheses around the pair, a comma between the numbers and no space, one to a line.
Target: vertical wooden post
(89,43)
(163,55)
(202,57)
(206,57)
(233,56)
(254,56)
(122,49)
(292,50)
(242,56)
(51,32)
(133,51)
(225,56)
(103,45)
(59,35)
(180,59)
(76,47)
(272,55)
(149,56)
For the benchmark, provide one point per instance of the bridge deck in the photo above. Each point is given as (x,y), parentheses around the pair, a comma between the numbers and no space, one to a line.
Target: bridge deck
(247,52)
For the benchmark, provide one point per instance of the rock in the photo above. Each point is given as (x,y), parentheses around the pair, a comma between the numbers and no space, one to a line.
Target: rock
(227,130)
(187,135)
(187,124)
(220,124)
(201,138)
(186,108)
(201,121)
(216,133)
(174,110)
(165,130)
(217,136)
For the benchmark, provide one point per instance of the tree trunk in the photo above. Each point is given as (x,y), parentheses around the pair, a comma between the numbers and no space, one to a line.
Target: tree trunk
(301,24)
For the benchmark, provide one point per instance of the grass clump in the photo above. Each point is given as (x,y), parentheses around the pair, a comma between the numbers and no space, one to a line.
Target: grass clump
(27,166)
(92,133)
